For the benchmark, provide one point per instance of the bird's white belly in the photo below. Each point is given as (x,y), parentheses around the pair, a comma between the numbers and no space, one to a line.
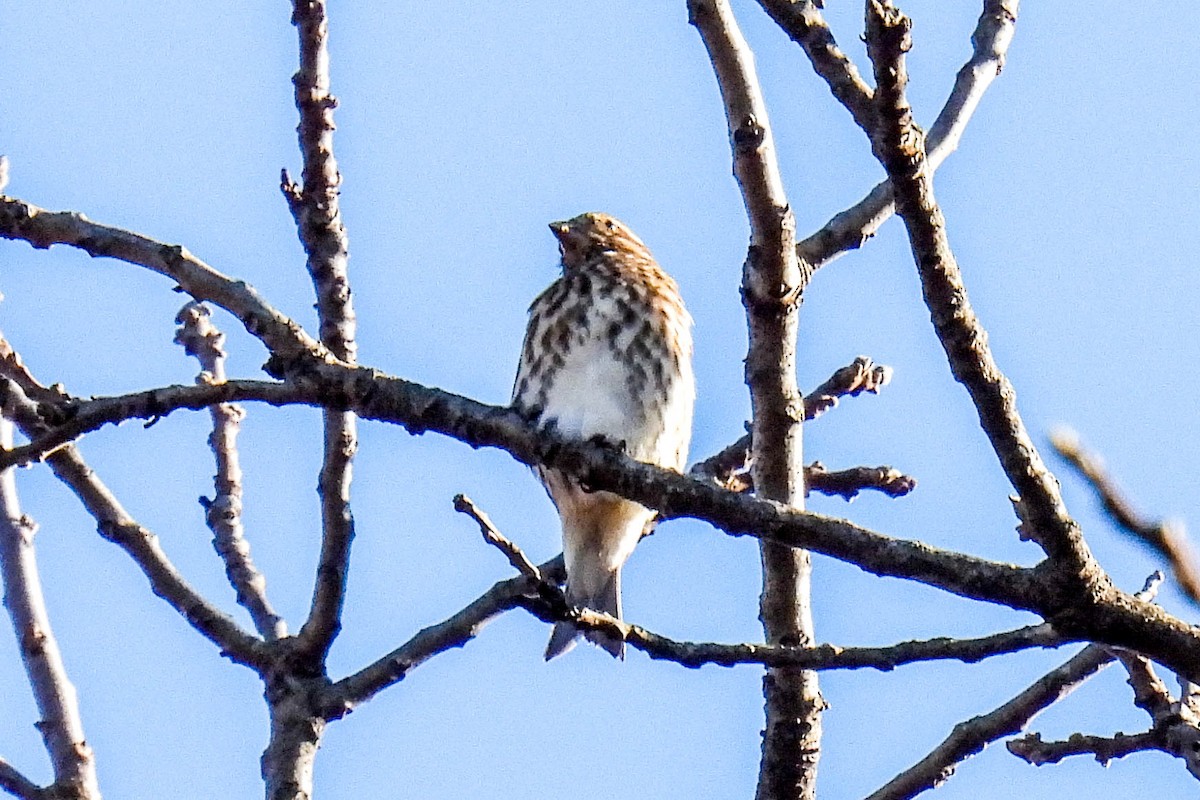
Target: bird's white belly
(589,396)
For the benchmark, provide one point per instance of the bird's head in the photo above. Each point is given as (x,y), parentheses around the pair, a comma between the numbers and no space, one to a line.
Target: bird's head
(589,235)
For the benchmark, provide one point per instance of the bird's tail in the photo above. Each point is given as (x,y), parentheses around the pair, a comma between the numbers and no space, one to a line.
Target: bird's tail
(606,598)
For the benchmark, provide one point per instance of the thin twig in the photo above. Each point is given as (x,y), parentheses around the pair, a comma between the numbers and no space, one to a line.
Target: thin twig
(1180,741)
(849,229)
(847,483)
(1036,751)
(515,555)
(860,375)
(223,513)
(61,724)
(1166,537)
(829,657)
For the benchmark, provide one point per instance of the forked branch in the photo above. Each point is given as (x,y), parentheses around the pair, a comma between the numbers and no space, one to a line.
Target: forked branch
(851,228)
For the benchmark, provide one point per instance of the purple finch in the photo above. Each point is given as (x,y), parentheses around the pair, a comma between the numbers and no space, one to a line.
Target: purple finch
(607,356)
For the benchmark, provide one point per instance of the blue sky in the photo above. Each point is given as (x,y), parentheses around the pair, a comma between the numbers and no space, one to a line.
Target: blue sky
(1071,206)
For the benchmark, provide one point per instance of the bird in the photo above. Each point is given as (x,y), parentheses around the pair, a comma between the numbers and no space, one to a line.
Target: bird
(607,357)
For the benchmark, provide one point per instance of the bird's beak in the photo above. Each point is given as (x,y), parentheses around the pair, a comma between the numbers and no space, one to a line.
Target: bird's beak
(560,229)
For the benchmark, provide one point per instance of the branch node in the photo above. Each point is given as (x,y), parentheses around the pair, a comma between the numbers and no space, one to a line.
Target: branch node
(748,135)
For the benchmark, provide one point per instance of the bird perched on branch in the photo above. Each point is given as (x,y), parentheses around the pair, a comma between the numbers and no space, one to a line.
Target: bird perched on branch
(607,357)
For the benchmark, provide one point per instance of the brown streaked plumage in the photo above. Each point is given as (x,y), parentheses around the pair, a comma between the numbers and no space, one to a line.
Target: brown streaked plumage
(608,354)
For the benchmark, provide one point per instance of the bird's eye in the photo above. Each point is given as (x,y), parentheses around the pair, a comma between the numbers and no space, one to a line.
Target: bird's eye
(612,226)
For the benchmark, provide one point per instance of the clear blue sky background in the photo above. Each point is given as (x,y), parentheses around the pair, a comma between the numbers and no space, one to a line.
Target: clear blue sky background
(463,130)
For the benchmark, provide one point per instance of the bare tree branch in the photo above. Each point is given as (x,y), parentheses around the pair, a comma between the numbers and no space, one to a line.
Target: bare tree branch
(344,695)
(801,20)
(537,589)
(287,762)
(727,467)
(116,525)
(80,417)
(899,145)
(1036,751)
(828,656)
(72,418)
(419,408)
(287,341)
(846,483)
(16,784)
(1175,723)
(692,654)
(1149,693)
(773,282)
(972,736)
(223,513)
(1166,537)
(12,366)
(1175,727)
(861,375)
(854,226)
(990,40)
(1182,737)
(818,657)
(317,210)
(296,729)
(315,204)
(1114,617)
(61,725)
